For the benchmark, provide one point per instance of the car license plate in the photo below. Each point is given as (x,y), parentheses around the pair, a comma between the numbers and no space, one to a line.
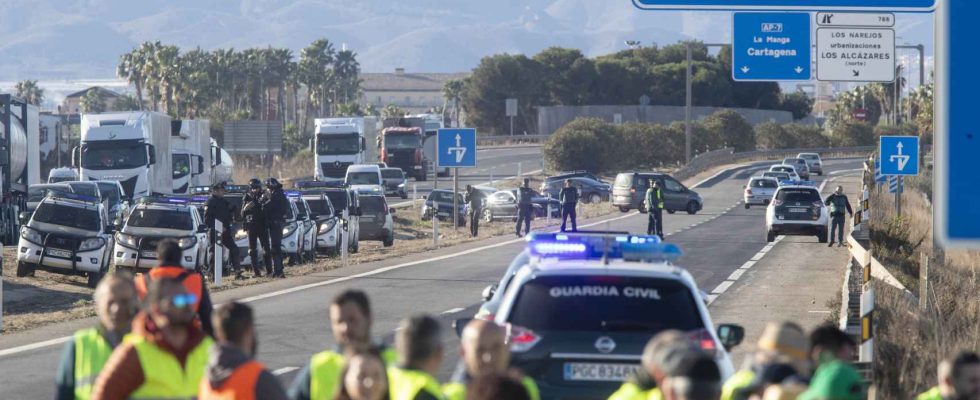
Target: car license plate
(798,210)
(150,254)
(59,253)
(598,372)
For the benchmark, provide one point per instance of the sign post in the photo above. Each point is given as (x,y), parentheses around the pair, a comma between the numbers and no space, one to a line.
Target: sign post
(771,47)
(219,252)
(457,149)
(510,106)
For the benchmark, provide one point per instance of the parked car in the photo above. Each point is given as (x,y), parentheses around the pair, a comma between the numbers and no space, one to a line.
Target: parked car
(376,222)
(813,162)
(154,219)
(589,190)
(63,174)
(440,202)
(113,195)
(561,176)
(797,209)
(394,182)
(630,189)
(344,199)
(801,165)
(759,191)
(502,205)
(365,179)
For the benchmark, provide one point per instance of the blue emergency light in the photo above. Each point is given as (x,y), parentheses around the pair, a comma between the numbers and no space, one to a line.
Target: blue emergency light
(597,247)
(236,188)
(199,199)
(292,193)
(163,200)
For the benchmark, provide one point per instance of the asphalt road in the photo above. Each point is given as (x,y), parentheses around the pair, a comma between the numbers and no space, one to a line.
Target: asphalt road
(292,314)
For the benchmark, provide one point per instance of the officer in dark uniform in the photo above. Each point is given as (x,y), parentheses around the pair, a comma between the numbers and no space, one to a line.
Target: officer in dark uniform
(275,204)
(475,198)
(525,208)
(253,220)
(569,199)
(217,208)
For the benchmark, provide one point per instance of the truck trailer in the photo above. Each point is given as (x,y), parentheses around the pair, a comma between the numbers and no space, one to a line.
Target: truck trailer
(19,161)
(190,143)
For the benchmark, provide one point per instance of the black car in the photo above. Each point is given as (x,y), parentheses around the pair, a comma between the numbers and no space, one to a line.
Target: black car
(589,190)
(502,205)
(441,202)
(394,181)
(561,176)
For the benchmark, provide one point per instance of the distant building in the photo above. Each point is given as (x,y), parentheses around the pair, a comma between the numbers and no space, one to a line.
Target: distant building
(72,102)
(413,92)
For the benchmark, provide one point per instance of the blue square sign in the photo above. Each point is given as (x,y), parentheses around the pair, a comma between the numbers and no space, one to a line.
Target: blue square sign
(457,148)
(899,155)
(771,47)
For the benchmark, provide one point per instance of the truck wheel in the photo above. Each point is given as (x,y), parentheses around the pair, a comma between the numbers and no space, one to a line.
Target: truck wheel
(24,269)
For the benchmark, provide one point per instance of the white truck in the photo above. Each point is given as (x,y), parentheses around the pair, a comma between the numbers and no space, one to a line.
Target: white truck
(130,147)
(337,143)
(433,123)
(190,144)
(222,166)
(20,164)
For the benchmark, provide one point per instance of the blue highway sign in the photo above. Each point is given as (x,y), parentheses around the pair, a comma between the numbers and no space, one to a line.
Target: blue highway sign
(457,148)
(771,47)
(787,5)
(899,155)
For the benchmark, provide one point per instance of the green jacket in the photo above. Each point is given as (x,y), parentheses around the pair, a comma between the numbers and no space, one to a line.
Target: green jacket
(655,197)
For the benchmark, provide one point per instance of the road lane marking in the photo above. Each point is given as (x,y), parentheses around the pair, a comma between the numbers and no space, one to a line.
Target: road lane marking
(747,265)
(452,311)
(284,370)
(735,275)
(34,346)
(722,287)
(819,312)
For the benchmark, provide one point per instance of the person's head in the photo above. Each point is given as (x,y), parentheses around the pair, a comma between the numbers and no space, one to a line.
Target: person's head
(828,343)
(116,302)
(273,184)
(469,188)
(350,319)
(696,377)
(783,342)
(835,380)
(959,378)
(654,183)
(364,378)
(660,353)
(527,182)
(234,324)
(218,189)
(169,305)
(500,386)
(484,348)
(839,190)
(255,186)
(568,183)
(169,253)
(419,343)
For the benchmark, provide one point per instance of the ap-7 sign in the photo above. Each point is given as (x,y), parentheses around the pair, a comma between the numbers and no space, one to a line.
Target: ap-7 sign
(786,5)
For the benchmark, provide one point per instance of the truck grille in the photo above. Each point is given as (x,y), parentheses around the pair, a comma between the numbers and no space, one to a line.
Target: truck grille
(335,169)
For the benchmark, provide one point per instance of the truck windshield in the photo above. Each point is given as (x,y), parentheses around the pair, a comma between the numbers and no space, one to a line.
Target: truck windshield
(163,219)
(110,155)
(75,217)
(402,142)
(363,178)
(182,165)
(331,145)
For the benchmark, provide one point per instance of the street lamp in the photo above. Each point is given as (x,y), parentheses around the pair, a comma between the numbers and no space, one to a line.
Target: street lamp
(687,106)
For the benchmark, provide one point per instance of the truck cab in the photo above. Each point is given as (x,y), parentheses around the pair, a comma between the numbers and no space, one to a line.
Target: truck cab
(402,147)
(190,153)
(130,147)
(338,143)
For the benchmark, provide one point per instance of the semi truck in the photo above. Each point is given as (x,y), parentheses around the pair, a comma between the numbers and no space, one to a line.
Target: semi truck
(402,146)
(337,143)
(19,161)
(432,123)
(190,142)
(130,147)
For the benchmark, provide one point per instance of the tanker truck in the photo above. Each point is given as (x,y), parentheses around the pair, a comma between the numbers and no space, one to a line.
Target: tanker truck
(20,161)
(130,147)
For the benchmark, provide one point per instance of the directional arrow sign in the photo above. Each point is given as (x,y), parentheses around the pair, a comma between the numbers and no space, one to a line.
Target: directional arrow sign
(783,5)
(771,46)
(856,54)
(899,155)
(457,148)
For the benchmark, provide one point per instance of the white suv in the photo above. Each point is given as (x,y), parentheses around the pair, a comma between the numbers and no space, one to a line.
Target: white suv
(154,219)
(67,234)
(797,209)
(813,162)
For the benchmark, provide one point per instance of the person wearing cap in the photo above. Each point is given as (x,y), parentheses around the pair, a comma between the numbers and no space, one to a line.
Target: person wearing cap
(654,201)
(253,222)
(780,343)
(959,378)
(696,377)
(276,206)
(169,253)
(218,209)
(835,380)
(658,361)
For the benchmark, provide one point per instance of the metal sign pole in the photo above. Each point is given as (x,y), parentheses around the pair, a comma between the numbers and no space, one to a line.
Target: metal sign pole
(219,252)
(345,232)
(455,199)
(435,224)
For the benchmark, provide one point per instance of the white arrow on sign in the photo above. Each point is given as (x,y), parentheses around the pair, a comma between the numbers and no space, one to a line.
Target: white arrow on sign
(745,69)
(799,69)
(900,158)
(459,149)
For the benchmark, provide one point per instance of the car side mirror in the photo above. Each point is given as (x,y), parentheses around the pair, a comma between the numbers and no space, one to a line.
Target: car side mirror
(731,335)
(202,228)
(24,217)
(489,291)
(460,324)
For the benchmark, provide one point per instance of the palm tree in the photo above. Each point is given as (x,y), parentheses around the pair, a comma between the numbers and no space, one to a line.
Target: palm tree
(151,71)
(313,72)
(347,69)
(131,68)
(452,91)
(30,92)
(125,103)
(93,101)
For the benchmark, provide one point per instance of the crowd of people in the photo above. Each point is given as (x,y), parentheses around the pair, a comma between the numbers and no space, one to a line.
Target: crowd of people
(157,337)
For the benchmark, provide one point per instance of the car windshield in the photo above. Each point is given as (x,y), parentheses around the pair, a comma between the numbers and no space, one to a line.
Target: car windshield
(182,165)
(798,195)
(373,205)
(320,207)
(85,188)
(764,183)
(401,142)
(74,217)
(362,178)
(811,157)
(163,219)
(778,175)
(392,173)
(104,156)
(328,145)
(444,197)
(110,191)
(605,303)
(783,169)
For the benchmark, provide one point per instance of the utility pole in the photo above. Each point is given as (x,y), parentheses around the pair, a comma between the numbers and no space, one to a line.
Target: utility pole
(688,105)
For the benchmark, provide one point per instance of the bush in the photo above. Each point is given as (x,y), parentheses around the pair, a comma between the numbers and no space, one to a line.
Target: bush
(702,139)
(771,136)
(895,130)
(807,136)
(850,134)
(580,144)
(648,145)
(732,129)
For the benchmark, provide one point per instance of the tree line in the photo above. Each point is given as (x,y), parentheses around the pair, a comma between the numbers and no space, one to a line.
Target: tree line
(562,76)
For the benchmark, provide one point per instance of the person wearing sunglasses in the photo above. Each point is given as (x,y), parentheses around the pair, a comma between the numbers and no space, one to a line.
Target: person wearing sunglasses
(165,336)
(89,349)
(169,254)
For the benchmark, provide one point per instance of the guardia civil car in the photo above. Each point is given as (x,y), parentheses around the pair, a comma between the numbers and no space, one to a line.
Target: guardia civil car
(154,219)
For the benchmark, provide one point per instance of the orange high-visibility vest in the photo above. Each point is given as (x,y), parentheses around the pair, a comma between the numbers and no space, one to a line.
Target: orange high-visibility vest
(192,281)
(239,386)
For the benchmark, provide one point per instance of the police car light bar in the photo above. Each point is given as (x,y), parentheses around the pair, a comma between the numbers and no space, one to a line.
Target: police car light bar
(592,246)
(162,200)
(199,198)
(236,188)
(293,193)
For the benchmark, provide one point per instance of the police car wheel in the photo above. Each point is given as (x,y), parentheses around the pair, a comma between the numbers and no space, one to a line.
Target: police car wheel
(770,236)
(623,209)
(24,269)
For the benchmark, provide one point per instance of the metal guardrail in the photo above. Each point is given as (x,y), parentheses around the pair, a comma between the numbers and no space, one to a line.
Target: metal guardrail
(510,140)
(711,159)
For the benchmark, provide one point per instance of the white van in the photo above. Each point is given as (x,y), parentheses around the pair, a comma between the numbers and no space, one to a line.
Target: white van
(62,174)
(365,179)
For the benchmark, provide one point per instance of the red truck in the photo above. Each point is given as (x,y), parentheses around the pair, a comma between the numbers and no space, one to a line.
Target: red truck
(401,147)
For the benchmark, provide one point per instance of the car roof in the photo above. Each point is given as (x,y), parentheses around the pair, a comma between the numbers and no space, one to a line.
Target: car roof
(364,167)
(76,203)
(797,187)
(759,178)
(49,185)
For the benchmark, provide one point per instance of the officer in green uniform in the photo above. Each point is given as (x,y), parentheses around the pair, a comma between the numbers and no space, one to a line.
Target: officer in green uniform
(484,353)
(85,355)
(419,347)
(350,322)
(838,204)
(654,201)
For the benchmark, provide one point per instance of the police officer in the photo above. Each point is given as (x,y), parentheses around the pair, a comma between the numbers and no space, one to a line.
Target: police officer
(525,208)
(253,220)
(838,204)
(275,204)
(569,199)
(475,199)
(217,208)
(655,209)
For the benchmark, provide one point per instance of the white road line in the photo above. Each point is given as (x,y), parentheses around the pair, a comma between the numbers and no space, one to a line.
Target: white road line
(722,287)
(711,298)
(284,370)
(757,256)
(735,275)
(747,265)
(33,346)
(452,311)
(818,312)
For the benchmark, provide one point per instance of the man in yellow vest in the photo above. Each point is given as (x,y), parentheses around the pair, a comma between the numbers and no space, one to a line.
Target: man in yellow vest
(87,352)
(959,378)
(644,383)
(166,353)
(232,370)
(484,351)
(350,322)
(780,343)
(419,347)
(654,200)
